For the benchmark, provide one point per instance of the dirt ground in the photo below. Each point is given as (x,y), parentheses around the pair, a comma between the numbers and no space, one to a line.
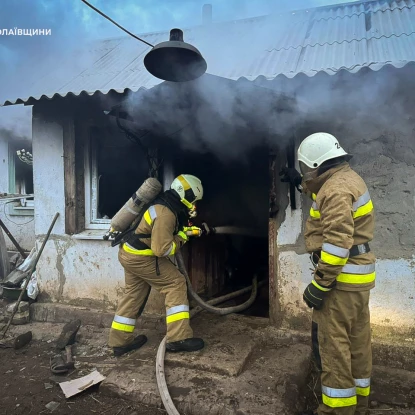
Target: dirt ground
(377,408)
(27,386)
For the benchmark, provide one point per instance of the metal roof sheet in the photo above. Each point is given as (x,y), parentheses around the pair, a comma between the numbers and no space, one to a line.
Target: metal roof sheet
(326,39)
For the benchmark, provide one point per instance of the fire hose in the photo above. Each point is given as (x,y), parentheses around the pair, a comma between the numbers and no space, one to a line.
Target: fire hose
(209,306)
(231,230)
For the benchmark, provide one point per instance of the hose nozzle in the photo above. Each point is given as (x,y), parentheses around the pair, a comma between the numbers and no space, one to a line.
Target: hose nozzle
(207,230)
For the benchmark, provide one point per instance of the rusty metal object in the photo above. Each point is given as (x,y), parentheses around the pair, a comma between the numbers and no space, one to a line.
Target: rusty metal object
(15,243)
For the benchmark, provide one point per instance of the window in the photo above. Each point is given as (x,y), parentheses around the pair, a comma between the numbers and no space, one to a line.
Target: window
(21,178)
(114,169)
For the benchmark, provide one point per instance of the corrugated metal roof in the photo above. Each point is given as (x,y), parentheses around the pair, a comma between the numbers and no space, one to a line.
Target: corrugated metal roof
(328,39)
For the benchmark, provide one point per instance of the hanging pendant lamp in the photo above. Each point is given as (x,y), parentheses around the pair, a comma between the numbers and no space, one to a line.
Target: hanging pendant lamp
(175,60)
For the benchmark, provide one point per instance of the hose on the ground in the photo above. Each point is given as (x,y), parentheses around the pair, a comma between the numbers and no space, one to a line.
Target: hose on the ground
(227,297)
(207,306)
(160,375)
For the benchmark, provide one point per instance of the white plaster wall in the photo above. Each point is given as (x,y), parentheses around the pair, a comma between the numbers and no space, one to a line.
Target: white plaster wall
(85,273)
(290,229)
(80,272)
(21,227)
(48,176)
(392,300)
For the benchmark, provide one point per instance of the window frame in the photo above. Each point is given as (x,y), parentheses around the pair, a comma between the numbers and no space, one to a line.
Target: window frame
(16,208)
(92,185)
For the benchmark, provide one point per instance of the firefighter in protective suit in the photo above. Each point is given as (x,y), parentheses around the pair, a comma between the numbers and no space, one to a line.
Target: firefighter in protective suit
(145,259)
(337,236)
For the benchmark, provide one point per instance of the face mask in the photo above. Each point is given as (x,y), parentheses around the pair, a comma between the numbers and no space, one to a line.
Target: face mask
(307,172)
(310,175)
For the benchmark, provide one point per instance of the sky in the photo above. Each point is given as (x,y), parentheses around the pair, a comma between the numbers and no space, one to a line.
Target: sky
(72,22)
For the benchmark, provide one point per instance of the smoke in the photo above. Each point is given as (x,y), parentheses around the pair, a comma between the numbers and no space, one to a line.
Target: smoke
(15,123)
(231,118)
(225,118)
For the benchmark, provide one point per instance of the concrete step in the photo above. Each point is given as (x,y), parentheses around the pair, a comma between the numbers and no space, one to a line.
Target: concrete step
(395,353)
(61,313)
(236,373)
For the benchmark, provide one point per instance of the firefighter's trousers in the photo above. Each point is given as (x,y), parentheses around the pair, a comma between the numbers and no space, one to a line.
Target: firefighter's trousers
(342,348)
(140,276)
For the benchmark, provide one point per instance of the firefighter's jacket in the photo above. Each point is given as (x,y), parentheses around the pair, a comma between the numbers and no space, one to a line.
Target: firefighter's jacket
(341,217)
(166,237)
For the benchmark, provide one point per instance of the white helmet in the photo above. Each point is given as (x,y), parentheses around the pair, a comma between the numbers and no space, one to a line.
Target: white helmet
(318,148)
(189,188)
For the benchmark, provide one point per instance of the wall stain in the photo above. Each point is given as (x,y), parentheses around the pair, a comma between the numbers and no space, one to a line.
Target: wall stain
(62,244)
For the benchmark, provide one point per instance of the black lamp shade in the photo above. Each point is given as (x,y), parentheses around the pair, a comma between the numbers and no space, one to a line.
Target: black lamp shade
(175,60)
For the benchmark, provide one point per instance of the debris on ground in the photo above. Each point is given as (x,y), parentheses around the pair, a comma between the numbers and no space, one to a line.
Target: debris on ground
(22,315)
(21,272)
(52,406)
(225,372)
(76,386)
(28,391)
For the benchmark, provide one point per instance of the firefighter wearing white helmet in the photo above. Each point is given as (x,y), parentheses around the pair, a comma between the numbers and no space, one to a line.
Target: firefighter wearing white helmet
(144,256)
(190,190)
(318,148)
(338,232)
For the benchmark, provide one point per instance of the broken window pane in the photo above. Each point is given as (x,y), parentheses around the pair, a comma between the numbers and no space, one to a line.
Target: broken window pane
(119,167)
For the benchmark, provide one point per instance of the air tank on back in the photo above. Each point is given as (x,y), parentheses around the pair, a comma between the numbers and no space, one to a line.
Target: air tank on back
(147,192)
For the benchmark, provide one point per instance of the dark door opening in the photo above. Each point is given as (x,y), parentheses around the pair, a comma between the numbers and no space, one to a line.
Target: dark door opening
(236,194)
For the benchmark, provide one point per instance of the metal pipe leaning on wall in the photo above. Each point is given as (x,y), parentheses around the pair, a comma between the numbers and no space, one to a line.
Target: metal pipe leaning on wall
(160,375)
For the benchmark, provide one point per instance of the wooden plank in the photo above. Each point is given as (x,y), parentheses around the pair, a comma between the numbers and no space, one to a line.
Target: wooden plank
(4,257)
(274,306)
(69,176)
(81,135)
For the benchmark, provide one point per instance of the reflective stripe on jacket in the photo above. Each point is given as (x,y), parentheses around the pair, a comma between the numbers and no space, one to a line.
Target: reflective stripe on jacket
(341,216)
(161,223)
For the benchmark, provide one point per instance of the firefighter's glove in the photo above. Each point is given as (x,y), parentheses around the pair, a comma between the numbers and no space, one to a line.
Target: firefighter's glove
(192,231)
(314,295)
(292,176)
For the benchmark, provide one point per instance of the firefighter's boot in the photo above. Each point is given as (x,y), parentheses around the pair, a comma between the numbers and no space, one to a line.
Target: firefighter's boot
(188,345)
(136,344)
